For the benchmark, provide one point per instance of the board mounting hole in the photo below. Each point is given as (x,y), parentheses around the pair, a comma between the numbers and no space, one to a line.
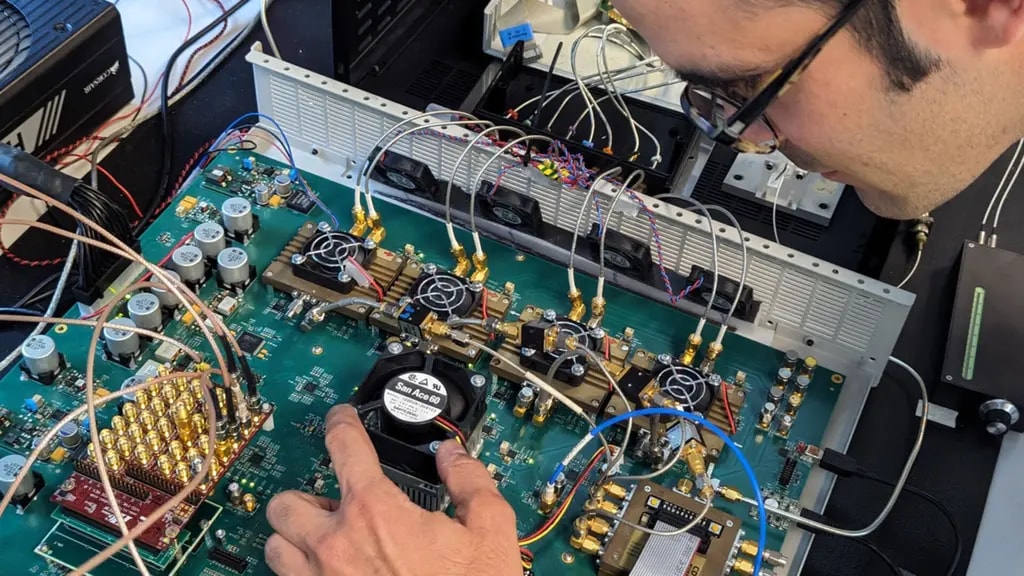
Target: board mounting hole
(737,177)
(823,206)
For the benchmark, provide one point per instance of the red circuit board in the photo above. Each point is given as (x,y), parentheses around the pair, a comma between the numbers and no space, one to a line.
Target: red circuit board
(84,497)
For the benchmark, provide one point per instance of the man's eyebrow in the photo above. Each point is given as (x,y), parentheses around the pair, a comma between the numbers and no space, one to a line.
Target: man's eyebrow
(724,80)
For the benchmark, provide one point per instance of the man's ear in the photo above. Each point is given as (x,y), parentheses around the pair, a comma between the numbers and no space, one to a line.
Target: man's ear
(994,24)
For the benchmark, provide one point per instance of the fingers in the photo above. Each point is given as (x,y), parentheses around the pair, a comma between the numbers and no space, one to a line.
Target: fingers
(298,517)
(354,457)
(478,504)
(286,559)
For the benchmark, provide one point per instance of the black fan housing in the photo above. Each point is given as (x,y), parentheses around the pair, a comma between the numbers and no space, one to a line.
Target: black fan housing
(621,253)
(405,174)
(512,209)
(746,309)
(532,355)
(441,293)
(399,402)
(325,256)
(683,384)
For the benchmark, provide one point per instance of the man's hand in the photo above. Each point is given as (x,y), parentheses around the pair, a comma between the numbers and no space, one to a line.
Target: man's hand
(377,530)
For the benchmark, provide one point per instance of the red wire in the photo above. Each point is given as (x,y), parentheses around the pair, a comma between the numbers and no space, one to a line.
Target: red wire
(728,408)
(380,291)
(568,499)
(484,305)
(204,46)
(452,428)
(114,181)
(607,348)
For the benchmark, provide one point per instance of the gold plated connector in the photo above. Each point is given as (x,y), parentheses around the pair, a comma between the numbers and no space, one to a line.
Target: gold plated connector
(614,490)
(707,365)
(548,499)
(694,455)
(462,262)
(692,347)
(730,494)
(377,231)
(541,411)
(480,271)
(578,309)
(743,566)
(599,526)
(597,310)
(771,557)
(359,224)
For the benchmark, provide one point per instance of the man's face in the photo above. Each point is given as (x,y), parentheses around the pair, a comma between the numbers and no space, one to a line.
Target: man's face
(905,153)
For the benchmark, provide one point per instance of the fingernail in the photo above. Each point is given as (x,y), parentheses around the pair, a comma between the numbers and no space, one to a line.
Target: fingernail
(450,449)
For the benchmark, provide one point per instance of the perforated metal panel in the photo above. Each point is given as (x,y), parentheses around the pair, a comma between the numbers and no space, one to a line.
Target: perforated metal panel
(847,320)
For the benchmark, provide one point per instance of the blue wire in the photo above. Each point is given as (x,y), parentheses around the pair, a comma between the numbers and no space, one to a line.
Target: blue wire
(762,517)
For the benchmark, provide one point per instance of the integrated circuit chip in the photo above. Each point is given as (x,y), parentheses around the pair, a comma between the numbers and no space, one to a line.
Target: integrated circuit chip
(256,459)
(301,202)
(309,387)
(250,343)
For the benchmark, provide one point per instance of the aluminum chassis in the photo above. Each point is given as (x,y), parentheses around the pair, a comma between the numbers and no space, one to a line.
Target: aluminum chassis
(848,321)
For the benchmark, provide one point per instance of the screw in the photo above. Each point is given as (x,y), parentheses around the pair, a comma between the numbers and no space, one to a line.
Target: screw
(612,410)
(577,370)
(949,378)
(472,352)
(395,347)
(318,350)
(298,259)
(729,523)
(527,352)
(434,446)
(220,534)
(344,278)
(375,315)
(323,227)
(430,268)
(268,274)
(550,315)
(597,334)
(664,359)
(478,380)
(315,151)
(647,489)
(769,165)
(520,257)
(476,287)
(568,558)
(369,244)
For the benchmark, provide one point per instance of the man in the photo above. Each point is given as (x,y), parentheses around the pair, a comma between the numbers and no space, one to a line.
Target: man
(907,101)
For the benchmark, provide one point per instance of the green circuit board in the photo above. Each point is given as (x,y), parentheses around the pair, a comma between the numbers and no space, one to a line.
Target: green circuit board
(305,373)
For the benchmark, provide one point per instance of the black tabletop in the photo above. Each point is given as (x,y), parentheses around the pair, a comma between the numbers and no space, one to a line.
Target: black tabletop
(955,465)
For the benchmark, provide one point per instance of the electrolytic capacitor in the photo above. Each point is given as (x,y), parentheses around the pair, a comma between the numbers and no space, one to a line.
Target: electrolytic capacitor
(189,264)
(775,394)
(70,435)
(210,238)
(263,194)
(121,343)
(791,359)
(47,450)
(233,266)
(802,384)
(283,184)
(767,413)
(144,310)
(40,355)
(10,466)
(237,214)
(783,377)
(166,297)
(785,424)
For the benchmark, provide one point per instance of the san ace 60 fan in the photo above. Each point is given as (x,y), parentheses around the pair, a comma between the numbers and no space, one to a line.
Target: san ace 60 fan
(409,403)
(63,71)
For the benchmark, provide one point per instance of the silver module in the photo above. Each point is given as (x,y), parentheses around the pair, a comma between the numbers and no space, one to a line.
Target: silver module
(233,266)
(188,263)
(144,310)
(210,238)
(121,342)
(41,356)
(237,214)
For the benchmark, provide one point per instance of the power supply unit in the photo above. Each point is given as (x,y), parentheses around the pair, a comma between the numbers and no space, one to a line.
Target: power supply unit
(63,71)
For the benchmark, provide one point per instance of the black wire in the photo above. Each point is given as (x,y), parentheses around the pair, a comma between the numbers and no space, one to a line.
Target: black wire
(882,555)
(145,88)
(210,64)
(30,297)
(167,142)
(953,524)
(19,311)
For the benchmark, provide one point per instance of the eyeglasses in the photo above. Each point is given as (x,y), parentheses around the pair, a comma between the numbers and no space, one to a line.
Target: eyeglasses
(726,121)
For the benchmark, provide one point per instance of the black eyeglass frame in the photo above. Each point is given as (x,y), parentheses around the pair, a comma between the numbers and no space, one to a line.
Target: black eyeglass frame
(730,132)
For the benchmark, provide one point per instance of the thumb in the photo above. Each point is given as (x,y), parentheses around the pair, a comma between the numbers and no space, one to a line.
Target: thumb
(478,504)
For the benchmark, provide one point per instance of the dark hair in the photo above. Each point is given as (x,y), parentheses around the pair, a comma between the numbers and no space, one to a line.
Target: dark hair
(877,29)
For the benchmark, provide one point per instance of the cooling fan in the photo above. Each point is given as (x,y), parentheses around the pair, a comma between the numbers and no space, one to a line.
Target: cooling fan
(746,308)
(683,384)
(333,260)
(440,294)
(409,403)
(63,71)
(621,253)
(554,334)
(509,208)
(405,174)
